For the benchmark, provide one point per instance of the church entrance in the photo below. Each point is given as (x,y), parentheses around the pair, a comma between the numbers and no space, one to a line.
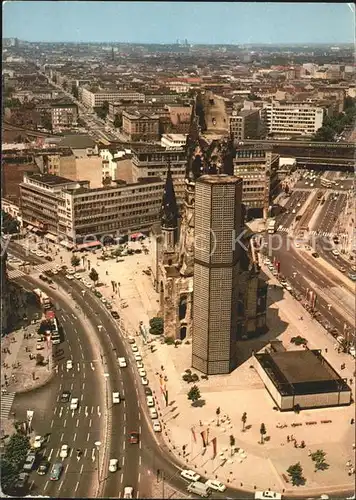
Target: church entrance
(183,332)
(182,307)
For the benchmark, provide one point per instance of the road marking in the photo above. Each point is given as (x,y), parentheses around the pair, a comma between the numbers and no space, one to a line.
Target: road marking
(52,423)
(88,436)
(81,397)
(140,430)
(84,375)
(121,478)
(60,486)
(139,415)
(93,455)
(55,410)
(123,461)
(65,470)
(73,374)
(45,486)
(74,316)
(60,387)
(83,385)
(50,454)
(76,486)
(78,367)
(92,366)
(124,429)
(139,460)
(90,422)
(92,409)
(57,453)
(99,413)
(65,422)
(124,403)
(75,436)
(124,445)
(79,409)
(60,411)
(85,454)
(86,411)
(140,445)
(77,424)
(62,436)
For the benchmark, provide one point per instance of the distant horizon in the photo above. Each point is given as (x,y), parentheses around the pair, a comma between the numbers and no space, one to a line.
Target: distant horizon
(164,23)
(241,44)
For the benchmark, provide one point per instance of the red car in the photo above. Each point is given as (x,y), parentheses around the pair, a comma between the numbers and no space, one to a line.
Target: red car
(134,438)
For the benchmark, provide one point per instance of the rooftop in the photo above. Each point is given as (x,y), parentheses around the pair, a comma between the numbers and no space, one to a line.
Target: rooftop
(219,179)
(49,179)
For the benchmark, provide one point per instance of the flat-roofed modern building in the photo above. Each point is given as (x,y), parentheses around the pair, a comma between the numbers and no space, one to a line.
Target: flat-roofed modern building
(292,118)
(301,379)
(218,221)
(78,214)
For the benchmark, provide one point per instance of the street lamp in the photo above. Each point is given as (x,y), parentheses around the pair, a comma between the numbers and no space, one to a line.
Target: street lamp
(98,444)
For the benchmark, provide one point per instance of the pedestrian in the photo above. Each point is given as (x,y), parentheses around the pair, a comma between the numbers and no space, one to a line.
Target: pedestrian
(352,421)
(326,350)
(288,439)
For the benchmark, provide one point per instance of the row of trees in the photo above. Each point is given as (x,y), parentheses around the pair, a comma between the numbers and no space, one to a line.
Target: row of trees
(13,459)
(335,125)
(295,471)
(9,224)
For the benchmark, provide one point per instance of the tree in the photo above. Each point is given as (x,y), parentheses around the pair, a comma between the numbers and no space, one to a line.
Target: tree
(218,411)
(9,224)
(9,473)
(194,394)
(17,448)
(296,474)
(319,458)
(118,121)
(93,275)
(46,121)
(156,326)
(39,359)
(232,444)
(75,261)
(243,420)
(262,432)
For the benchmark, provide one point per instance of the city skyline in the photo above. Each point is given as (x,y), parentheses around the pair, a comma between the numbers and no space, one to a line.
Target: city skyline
(100,22)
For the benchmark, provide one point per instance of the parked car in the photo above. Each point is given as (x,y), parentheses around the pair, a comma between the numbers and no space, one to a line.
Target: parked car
(122,362)
(74,404)
(115,397)
(128,492)
(22,480)
(113,464)
(43,468)
(215,485)
(157,426)
(56,471)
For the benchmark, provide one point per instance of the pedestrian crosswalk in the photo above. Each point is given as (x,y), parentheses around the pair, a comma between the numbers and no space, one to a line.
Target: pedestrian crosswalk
(323,234)
(41,268)
(6,404)
(15,273)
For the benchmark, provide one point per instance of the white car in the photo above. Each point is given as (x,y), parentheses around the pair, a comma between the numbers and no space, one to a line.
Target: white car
(122,362)
(116,397)
(71,270)
(37,442)
(69,364)
(69,277)
(128,492)
(352,351)
(134,348)
(74,403)
(64,451)
(288,288)
(215,485)
(294,211)
(138,357)
(312,185)
(139,364)
(144,381)
(297,245)
(78,276)
(142,372)
(190,475)
(335,252)
(113,464)
(150,401)
(157,426)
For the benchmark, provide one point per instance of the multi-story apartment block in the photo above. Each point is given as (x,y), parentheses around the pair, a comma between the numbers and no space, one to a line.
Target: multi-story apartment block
(290,118)
(60,162)
(97,99)
(141,126)
(80,215)
(151,161)
(257,166)
(64,116)
(245,124)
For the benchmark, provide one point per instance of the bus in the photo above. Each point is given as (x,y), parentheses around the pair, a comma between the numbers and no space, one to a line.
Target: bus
(43,298)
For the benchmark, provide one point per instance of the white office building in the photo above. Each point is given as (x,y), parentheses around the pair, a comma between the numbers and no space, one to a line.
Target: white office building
(291,118)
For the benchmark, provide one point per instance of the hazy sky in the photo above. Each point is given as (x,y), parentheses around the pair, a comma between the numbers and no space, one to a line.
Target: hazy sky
(165,22)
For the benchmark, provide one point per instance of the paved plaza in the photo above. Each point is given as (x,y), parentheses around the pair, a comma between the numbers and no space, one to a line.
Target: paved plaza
(250,463)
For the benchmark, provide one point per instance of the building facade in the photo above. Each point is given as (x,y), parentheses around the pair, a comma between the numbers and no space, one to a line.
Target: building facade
(97,99)
(74,212)
(141,126)
(258,167)
(218,221)
(288,118)
(245,124)
(64,116)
